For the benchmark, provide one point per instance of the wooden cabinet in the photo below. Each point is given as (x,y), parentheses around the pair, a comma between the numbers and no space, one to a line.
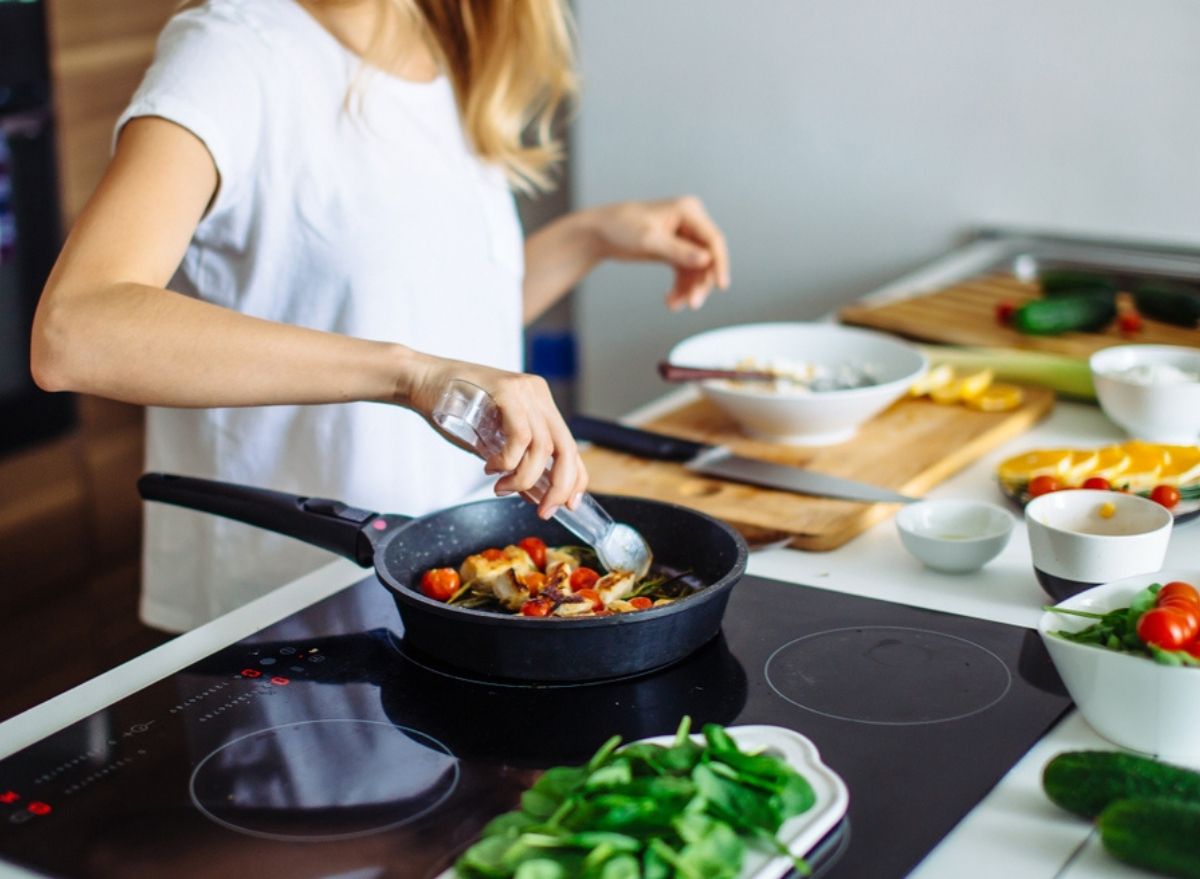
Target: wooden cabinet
(70,517)
(99,51)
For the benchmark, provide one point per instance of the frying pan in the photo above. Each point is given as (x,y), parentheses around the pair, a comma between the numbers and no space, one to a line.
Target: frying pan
(484,642)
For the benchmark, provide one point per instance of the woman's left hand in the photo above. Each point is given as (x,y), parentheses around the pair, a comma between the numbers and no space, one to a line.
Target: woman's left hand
(675,231)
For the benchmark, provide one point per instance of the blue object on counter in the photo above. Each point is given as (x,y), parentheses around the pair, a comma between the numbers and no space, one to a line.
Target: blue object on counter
(552,355)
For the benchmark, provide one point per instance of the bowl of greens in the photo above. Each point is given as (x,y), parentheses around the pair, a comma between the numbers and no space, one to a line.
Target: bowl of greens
(737,803)
(1129,655)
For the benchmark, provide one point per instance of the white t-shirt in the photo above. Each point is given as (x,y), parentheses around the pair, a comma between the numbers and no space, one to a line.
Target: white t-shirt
(348,201)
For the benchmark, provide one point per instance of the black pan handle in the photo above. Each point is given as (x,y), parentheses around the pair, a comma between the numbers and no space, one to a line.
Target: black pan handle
(329,524)
(642,443)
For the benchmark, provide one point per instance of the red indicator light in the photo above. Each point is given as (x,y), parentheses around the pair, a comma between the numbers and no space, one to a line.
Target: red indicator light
(280,682)
(379,525)
(9,796)
(251,673)
(39,808)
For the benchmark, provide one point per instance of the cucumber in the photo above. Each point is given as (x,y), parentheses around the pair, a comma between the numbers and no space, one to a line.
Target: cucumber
(1171,303)
(1070,282)
(1159,835)
(1085,782)
(1061,314)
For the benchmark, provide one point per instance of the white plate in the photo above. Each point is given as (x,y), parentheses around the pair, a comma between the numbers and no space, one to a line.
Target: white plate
(803,831)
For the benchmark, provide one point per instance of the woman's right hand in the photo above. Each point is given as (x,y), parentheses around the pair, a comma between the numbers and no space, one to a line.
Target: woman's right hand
(534,429)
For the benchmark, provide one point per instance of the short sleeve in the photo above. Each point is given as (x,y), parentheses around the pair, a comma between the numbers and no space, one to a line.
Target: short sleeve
(206,77)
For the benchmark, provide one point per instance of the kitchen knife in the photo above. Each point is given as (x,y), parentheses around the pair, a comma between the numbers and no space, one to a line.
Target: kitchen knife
(720,462)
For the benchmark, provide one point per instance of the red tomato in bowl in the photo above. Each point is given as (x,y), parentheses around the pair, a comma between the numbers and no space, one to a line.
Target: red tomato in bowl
(1188,612)
(1165,627)
(1177,589)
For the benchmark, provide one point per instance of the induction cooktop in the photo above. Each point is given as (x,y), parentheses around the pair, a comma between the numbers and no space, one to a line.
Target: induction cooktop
(322,747)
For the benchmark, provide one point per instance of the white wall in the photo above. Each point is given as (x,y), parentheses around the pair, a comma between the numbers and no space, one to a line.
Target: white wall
(840,143)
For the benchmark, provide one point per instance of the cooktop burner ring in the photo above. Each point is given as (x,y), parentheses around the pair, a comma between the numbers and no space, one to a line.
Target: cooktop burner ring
(454,674)
(436,768)
(942,677)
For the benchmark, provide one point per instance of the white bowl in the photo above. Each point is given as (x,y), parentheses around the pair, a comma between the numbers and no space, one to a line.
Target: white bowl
(1130,700)
(796,415)
(954,536)
(1074,547)
(1159,413)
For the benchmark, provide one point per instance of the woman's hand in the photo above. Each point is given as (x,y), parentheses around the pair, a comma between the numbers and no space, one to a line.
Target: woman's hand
(676,231)
(534,431)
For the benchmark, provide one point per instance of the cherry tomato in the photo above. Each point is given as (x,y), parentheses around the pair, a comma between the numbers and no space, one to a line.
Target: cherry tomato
(1097,482)
(1177,589)
(536,547)
(1187,611)
(1130,323)
(534,581)
(537,607)
(1004,312)
(440,583)
(1167,495)
(583,578)
(492,554)
(1194,648)
(1164,627)
(1043,484)
(591,595)
(641,603)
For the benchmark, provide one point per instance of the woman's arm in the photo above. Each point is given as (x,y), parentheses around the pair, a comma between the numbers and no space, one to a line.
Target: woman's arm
(106,325)
(675,231)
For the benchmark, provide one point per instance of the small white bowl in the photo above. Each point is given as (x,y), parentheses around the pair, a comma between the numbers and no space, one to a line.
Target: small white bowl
(1130,700)
(1159,413)
(796,415)
(1075,547)
(954,536)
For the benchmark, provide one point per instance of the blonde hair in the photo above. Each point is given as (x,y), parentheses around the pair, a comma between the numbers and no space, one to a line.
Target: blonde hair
(511,63)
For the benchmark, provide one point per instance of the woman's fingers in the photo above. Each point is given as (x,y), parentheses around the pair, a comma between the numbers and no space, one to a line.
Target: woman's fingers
(699,227)
(535,435)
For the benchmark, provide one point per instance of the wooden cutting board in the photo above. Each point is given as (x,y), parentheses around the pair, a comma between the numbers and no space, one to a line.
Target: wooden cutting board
(965,315)
(909,447)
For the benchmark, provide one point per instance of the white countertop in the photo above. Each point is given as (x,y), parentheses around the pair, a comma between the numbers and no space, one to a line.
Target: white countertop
(1015,831)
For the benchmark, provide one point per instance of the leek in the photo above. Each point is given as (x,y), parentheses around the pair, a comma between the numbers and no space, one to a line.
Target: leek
(1067,376)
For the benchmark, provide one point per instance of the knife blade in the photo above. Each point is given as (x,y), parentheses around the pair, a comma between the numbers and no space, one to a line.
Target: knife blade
(720,462)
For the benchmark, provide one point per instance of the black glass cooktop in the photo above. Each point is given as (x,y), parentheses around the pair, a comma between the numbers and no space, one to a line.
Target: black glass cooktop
(320,747)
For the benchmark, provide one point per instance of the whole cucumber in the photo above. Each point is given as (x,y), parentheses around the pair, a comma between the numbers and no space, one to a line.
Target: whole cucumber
(1085,782)
(1173,304)
(1061,314)
(1159,835)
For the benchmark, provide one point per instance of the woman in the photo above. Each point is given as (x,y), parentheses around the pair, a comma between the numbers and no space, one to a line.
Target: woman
(324,186)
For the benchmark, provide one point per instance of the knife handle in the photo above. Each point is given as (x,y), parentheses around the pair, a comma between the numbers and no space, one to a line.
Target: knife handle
(642,443)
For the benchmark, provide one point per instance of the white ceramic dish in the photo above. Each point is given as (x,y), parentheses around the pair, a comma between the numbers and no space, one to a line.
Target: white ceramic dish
(1074,547)
(797,415)
(801,833)
(954,536)
(1161,413)
(1130,700)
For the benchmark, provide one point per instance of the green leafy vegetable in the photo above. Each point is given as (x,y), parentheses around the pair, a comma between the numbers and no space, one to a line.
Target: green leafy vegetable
(1117,630)
(683,811)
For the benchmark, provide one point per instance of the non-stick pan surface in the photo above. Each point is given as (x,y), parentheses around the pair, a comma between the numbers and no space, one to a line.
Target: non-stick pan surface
(485,642)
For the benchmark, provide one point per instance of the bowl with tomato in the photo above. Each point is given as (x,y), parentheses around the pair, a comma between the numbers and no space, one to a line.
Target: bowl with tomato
(1129,654)
(1084,537)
